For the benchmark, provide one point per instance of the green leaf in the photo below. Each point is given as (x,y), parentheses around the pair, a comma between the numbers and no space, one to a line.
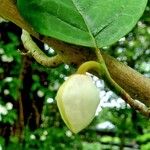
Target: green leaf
(92,23)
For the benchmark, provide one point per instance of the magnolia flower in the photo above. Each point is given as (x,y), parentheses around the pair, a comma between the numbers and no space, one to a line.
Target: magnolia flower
(77,100)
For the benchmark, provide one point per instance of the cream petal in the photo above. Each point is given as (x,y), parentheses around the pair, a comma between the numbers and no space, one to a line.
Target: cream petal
(77,100)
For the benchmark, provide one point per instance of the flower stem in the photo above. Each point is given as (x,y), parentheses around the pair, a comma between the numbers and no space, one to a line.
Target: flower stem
(101,68)
(37,53)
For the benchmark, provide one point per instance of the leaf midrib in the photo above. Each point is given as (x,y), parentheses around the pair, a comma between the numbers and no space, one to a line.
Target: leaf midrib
(88,29)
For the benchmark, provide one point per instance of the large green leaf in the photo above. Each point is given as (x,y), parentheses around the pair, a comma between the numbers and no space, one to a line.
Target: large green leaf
(83,22)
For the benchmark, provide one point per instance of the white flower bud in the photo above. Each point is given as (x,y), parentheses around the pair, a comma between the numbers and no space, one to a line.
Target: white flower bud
(77,100)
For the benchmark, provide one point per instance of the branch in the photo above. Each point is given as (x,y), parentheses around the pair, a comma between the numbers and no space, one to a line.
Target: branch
(99,67)
(133,82)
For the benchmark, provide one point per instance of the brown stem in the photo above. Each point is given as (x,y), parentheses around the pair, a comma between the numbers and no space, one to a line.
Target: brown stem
(20,123)
(37,114)
(133,82)
(102,72)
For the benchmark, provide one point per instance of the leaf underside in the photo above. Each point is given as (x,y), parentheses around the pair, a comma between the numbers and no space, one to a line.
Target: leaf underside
(91,23)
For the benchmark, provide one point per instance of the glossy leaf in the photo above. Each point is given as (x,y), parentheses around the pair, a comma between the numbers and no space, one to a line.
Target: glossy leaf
(92,23)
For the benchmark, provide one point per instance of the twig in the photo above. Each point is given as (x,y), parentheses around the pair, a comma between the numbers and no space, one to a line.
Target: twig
(37,114)
(37,53)
(104,74)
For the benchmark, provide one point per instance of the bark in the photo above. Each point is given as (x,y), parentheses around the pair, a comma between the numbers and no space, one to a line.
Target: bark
(133,82)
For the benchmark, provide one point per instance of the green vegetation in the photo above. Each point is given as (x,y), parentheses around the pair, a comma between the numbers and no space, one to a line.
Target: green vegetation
(29,117)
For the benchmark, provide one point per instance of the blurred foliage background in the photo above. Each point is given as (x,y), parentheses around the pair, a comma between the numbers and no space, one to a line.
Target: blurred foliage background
(29,117)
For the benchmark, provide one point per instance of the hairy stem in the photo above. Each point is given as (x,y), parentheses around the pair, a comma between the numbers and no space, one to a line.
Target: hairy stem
(38,54)
(104,74)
